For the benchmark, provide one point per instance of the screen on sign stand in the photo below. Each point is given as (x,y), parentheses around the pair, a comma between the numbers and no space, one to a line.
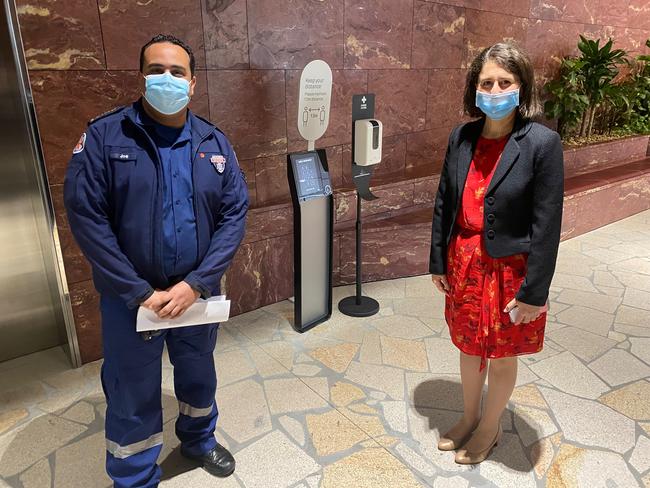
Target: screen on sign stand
(309,178)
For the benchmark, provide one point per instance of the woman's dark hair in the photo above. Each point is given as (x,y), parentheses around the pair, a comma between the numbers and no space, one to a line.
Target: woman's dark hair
(172,40)
(514,60)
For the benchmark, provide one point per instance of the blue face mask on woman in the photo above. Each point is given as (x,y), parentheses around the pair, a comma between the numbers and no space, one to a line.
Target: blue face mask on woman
(499,105)
(166,93)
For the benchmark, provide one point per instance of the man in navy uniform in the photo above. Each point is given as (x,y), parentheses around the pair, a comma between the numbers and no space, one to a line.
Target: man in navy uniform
(157,202)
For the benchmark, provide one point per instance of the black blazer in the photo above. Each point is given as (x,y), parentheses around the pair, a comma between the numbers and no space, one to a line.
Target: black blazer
(523,203)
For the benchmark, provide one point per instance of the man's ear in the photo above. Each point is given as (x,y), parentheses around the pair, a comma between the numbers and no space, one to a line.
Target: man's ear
(142,82)
(192,85)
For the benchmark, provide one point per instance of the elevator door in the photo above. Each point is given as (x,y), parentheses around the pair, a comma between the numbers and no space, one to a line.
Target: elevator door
(31,310)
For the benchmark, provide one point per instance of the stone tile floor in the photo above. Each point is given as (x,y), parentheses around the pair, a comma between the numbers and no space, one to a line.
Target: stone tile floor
(360,402)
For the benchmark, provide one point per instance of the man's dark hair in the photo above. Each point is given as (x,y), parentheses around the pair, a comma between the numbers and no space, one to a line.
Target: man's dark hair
(172,40)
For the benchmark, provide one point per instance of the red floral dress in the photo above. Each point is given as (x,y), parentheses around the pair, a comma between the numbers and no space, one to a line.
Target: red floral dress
(482,286)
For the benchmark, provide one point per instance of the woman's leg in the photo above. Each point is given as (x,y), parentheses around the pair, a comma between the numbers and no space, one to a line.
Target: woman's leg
(472,381)
(501,381)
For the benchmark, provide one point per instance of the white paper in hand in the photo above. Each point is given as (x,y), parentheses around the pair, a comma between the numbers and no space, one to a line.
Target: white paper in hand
(202,312)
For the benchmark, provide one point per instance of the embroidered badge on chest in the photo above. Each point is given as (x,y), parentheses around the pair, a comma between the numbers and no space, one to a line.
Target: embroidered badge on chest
(219,163)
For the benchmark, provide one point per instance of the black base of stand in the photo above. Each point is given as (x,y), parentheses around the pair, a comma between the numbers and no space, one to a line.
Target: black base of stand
(366,308)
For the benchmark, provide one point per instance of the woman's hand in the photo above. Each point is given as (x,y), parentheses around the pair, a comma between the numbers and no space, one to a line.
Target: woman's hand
(441,283)
(525,313)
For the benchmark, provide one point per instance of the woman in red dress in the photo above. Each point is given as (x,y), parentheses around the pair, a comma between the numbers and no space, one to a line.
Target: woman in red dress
(495,237)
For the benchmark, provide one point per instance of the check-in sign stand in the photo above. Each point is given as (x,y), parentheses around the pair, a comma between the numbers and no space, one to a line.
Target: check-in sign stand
(313,202)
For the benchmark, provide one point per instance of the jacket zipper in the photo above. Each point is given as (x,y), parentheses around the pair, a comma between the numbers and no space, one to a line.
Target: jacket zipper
(194,204)
(157,202)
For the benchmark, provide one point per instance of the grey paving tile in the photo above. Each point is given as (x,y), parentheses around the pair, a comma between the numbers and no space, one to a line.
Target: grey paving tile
(286,395)
(38,476)
(605,278)
(199,478)
(369,468)
(294,428)
(40,438)
(607,256)
(82,464)
(596,301)
(243,411)
(587,319)
(634,265)
(572,282)
(637,298)
(383,378)
(633,280)
(533,424)
(641,348)
(395,415)
(402,327)
(633,316)
(576,466)
(453,482)
(613,431)
(274,462)
(640,459)
(508,466)
(415,461)
(233,366)
(583,344)
(82,412)
(581,382)
(618,367)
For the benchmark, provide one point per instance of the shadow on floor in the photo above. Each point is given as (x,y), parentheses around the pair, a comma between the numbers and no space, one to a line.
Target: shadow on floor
(175,464)
(68,447)
(441,402)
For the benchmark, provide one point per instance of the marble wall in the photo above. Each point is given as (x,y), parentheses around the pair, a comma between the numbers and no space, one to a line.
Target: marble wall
(83,60)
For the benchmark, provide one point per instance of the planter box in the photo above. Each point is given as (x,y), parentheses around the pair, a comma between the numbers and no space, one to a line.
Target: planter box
(585,159)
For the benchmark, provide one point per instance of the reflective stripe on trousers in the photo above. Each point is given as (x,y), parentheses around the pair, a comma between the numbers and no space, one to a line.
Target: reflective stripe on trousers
(194,412)
(122,452)
(131,379)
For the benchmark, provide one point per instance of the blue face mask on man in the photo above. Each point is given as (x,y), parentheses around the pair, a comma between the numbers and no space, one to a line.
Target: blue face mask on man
(166,93)
(499,105)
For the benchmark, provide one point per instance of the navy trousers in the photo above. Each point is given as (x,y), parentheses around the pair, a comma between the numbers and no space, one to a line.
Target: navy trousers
(131,379)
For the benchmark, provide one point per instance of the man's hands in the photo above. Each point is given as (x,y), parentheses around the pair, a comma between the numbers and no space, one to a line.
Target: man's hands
(156,301)
(173,302)
(181,296)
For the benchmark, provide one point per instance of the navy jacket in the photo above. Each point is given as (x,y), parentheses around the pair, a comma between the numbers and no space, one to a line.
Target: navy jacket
(113,197)
(523,203)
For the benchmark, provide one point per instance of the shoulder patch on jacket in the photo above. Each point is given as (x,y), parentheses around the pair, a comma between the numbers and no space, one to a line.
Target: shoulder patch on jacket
(80,145)
(106,114)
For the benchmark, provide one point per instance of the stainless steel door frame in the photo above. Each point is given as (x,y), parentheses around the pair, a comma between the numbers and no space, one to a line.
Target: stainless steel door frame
(46,223)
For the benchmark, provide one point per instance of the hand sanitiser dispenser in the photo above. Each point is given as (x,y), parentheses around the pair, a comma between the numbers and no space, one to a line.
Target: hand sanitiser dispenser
(367,142)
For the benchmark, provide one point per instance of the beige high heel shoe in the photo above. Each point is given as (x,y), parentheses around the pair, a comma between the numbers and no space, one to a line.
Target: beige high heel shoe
(466,457)
(450,443)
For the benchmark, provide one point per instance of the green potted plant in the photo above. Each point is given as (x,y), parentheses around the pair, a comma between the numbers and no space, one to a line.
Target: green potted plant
(586,84)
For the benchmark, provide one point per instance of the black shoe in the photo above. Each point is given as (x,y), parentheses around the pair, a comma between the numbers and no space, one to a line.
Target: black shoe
(218,462)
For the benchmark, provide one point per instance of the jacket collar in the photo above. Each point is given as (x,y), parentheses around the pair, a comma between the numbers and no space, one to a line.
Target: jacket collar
(470,135)
(473,129)
(200,127)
